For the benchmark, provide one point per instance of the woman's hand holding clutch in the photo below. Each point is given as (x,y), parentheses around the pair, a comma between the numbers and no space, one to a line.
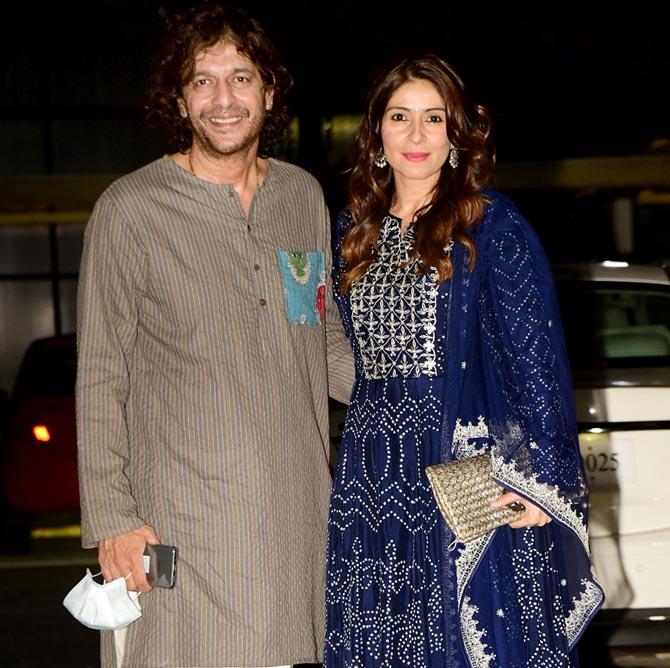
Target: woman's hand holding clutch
(532,517)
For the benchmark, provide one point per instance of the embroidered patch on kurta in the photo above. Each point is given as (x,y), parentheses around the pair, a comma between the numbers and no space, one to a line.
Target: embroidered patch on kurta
(304,278)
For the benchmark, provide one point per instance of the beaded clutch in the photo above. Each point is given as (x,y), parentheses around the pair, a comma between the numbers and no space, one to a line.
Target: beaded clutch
(463,489)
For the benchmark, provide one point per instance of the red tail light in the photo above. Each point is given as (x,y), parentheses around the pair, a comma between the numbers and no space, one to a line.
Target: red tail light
(41,433)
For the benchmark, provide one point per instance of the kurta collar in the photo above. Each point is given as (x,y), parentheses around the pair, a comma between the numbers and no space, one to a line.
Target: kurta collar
(218,195)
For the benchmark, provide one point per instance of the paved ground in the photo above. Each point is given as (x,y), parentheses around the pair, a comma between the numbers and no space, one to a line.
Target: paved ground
(35,629)
(37,632)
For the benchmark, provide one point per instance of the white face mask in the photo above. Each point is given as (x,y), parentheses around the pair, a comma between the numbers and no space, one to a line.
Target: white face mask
(106,607)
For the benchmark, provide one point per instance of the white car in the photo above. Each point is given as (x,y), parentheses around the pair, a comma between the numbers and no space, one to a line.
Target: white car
(616,318)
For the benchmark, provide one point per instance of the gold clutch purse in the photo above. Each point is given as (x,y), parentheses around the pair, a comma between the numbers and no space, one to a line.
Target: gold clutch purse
(463,489)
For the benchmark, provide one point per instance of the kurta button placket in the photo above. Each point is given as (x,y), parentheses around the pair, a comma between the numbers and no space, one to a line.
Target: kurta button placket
(263,316)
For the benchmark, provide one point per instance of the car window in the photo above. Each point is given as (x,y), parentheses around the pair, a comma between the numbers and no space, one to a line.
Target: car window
(611,325)
(51,371)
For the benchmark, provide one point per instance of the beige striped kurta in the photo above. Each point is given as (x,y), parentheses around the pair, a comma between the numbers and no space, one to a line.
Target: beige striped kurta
(202,410)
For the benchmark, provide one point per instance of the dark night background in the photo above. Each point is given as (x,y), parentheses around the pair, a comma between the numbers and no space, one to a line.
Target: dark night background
(561,81)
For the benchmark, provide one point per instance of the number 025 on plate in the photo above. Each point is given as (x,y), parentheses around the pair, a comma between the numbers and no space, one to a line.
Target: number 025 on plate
(608,459)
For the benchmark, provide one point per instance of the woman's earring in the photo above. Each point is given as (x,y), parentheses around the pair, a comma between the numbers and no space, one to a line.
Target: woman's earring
(453,157)
(381,160)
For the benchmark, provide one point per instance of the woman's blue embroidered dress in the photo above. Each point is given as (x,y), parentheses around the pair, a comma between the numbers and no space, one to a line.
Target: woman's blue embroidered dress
(474,364)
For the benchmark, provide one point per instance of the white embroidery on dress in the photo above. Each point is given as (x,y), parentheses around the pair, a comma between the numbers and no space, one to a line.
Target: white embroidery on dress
(463,435)
(377,495)
(394,310)
(545,495)
(397,637)
(534,385)
(584,605)
(473,637)
(471,553)
(468,559)
(548,498)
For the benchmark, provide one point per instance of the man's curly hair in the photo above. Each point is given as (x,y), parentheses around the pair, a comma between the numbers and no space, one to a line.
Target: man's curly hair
(200,28)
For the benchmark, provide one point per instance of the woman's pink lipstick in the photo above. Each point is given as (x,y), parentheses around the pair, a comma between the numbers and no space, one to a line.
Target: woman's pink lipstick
(415,157)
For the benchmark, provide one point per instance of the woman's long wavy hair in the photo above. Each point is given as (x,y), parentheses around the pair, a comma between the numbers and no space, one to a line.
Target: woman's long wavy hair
(456,203)
(200,28)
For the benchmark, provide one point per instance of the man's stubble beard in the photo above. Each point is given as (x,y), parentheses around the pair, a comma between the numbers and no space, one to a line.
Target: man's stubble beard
(221,149)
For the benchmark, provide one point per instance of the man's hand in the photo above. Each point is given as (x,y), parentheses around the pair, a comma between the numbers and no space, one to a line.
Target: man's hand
(121,556)
(533,517)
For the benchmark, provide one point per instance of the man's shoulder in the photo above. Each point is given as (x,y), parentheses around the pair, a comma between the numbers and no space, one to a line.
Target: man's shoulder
(289,174)
(137,185)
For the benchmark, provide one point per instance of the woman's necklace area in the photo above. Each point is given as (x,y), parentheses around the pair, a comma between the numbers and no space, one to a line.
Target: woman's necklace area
(258,171)
(408,219)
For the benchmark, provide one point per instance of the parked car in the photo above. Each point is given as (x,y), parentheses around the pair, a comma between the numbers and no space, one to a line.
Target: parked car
(617,323)
(39,462)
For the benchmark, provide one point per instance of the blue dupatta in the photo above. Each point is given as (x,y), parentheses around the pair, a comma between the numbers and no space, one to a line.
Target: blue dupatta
(524,595)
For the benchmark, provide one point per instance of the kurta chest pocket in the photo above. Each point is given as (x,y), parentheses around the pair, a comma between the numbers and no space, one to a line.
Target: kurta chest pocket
(304,278)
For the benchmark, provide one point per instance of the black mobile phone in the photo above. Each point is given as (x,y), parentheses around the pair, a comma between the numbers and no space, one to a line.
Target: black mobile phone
(162,567)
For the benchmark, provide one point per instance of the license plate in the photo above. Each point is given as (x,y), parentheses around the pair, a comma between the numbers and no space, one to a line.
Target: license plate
(608,460)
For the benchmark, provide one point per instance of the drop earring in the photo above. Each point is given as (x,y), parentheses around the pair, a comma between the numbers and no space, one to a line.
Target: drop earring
(381,160)
(453,157)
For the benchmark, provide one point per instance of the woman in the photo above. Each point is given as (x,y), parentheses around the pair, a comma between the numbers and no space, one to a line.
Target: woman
(446,296)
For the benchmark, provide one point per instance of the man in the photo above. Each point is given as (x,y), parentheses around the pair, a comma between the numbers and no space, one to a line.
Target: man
(202,385)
